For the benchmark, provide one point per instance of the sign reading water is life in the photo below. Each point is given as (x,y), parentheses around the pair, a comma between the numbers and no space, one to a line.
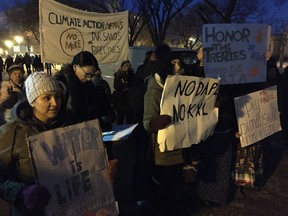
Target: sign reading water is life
(235,52)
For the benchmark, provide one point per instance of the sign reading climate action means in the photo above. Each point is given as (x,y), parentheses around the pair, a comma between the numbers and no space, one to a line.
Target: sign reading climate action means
(65,31)
(71,163)
(257,115)
(235,52)
(191,103)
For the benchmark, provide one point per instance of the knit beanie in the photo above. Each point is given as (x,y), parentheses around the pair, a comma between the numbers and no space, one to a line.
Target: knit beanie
(38,83)
(15,67)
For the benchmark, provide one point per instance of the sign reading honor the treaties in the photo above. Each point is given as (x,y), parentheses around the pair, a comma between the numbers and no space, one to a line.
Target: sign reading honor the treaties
(257,115)
(235,52)
(71,163)
(65,31)
(191,103)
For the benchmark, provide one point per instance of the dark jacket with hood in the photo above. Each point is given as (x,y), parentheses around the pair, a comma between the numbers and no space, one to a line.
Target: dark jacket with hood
(16,169)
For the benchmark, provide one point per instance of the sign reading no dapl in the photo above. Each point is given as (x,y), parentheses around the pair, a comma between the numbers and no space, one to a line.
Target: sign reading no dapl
(190,101)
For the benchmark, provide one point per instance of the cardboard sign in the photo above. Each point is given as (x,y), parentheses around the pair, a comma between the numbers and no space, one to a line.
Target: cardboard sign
(65,31)
(191,103)
(257,115)
(71,163)
(235,52)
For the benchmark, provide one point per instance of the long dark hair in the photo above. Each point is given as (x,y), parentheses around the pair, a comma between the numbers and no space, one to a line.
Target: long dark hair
(85,58)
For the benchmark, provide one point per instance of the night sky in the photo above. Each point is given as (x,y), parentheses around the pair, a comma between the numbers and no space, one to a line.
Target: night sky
(274,13)
(7,4)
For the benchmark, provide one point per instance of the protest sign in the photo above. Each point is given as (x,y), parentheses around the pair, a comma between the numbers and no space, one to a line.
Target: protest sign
(71,163)
(235,52)
(119,132)
(65,31)
(257,115)
(190,101)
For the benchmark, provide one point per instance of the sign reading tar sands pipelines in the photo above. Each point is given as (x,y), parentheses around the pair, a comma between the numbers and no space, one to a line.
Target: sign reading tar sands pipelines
(65,31)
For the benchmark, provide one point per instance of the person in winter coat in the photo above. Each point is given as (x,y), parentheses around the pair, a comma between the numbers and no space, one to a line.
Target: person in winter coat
(8,62)
(83,100)
(39,113)
(98,81)
(1,68)
(27,61)
(123,81)
(12,91)
(167,166)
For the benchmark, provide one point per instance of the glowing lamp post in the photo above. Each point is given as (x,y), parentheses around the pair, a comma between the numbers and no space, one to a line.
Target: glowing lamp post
(9,44)
(191,42)
(19,39)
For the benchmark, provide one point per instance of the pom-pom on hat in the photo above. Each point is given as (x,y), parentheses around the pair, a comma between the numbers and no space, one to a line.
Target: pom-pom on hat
(38,83)
(15,67)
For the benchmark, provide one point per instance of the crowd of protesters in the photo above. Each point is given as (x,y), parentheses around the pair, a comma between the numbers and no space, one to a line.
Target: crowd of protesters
(206,171)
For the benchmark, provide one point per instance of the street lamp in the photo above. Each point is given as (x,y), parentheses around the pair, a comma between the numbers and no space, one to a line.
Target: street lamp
(191,42)
(18,39)
(9,44)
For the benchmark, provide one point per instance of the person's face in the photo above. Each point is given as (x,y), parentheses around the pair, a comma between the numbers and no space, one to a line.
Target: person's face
(200,54)
(125,67)
(47,106)
(17,77)
(84,73)
(177,67)
(267,55)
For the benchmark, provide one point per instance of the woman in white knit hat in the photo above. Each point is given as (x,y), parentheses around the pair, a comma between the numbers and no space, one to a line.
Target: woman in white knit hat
(39,113)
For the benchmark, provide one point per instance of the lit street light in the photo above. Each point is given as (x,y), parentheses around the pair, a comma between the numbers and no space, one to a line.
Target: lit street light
(9,44)
(19,39)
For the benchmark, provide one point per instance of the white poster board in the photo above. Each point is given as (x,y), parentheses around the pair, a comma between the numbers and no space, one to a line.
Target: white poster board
(257,115)
(235,52)
(71,163)
(119,132)
(65,31)
(191,103)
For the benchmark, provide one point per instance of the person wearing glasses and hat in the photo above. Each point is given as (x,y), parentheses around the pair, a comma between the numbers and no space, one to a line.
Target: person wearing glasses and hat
(84,101)
(11,92)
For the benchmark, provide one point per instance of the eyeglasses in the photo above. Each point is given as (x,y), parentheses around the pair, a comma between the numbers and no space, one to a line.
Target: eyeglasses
(88,75)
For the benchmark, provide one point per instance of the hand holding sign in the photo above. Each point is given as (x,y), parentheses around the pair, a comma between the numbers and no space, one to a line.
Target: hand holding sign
(160,122)
(34,197)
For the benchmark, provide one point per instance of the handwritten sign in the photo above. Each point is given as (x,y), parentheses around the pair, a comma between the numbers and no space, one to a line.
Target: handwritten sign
(71,163)
(235,52)
(65,31)
(257,115)
(190,101)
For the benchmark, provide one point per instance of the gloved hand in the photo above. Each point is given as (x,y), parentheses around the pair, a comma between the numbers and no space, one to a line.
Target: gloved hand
(11,100)
(34,197)
(160,122)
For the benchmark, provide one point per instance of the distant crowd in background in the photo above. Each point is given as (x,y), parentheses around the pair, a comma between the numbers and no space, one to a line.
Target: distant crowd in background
(210,171)
(30,63)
